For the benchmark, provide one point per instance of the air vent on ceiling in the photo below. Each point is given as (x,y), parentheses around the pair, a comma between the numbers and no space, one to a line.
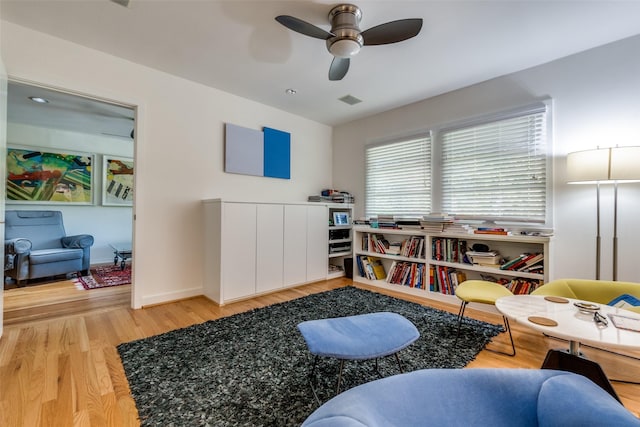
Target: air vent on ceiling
(351,100)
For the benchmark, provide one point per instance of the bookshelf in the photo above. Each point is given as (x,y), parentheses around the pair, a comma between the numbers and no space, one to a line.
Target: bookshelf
(406,260)
(340,238)
(443,258)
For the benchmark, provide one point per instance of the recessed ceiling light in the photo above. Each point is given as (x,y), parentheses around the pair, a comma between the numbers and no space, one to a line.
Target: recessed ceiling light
(39,100)
(291,91)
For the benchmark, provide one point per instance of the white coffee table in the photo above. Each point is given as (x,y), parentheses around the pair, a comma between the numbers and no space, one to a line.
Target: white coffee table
(576,327)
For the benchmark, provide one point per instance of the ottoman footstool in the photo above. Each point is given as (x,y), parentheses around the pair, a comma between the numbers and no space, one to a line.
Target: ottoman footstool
(361,337)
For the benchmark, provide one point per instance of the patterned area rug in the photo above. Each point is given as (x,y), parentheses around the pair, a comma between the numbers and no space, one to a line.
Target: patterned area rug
(105,276)
(251,369)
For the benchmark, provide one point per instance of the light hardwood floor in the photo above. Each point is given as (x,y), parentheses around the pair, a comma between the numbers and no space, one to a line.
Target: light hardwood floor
(64,370)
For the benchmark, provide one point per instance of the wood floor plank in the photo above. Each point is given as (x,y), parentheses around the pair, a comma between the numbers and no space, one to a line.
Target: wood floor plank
(64,370)
(9,341)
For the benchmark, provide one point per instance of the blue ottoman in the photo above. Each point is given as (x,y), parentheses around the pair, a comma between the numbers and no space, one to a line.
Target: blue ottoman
(362,337)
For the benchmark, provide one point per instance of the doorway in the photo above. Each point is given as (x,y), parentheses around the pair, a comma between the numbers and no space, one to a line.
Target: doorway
(50,121)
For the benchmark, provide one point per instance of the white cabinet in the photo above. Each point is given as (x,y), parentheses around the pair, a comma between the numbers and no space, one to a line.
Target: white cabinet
(269,247)
(305,243)
(255,248)
(295,244)
(239,256)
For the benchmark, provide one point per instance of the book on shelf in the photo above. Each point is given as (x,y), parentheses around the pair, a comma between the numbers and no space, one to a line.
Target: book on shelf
(407,273)
(412,247)
(449,250)
(364,268)
(395,248)
(498,232)
(408,223)
(378,268)
(510,263)
(370,267)
(379,243)
(524,262)
(520,286)
(488,257)
(445,280)
(374,243)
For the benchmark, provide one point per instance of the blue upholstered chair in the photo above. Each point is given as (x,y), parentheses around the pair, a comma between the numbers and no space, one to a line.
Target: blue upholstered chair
(475,397)
(36,245)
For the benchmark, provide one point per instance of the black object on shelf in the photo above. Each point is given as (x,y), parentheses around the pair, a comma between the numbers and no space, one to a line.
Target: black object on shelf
(348,268)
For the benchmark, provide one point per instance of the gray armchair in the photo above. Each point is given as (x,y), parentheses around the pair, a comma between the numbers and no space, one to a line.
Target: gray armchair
(36,245)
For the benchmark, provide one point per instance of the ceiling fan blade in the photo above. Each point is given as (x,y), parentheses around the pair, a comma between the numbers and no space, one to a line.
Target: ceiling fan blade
(302,27)
(339,68)
(392,32)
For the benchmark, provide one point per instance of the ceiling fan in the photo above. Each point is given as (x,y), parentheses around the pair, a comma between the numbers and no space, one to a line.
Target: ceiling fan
(346,39)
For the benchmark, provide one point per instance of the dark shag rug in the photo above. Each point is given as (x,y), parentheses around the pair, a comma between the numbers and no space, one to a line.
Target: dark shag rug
(251,369)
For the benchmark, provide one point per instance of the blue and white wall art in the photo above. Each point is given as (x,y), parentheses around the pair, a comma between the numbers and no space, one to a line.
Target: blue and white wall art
(259,153)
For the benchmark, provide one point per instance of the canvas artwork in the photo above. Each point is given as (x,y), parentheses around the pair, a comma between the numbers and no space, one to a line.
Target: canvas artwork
(49,177)
(260,153)
(117,181)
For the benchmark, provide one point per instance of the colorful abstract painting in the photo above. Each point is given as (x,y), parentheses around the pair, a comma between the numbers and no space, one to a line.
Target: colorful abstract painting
(117,181)
(49,177)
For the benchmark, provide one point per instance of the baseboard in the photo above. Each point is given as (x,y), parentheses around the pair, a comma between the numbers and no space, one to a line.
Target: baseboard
(167,297)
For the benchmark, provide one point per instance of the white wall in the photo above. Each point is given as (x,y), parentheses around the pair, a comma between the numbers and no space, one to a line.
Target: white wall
(3,143)
(595,103)
(106,223)
(179,151)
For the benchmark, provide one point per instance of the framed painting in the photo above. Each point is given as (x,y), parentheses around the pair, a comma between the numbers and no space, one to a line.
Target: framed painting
(39,176)
(117,181)
(341,218)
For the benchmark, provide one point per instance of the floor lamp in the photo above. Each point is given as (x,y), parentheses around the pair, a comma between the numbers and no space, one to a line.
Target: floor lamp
(605,166)
(625,168)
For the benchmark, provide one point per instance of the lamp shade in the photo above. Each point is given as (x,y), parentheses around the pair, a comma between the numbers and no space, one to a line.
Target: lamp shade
(618,164)
(590,166)
(625,164)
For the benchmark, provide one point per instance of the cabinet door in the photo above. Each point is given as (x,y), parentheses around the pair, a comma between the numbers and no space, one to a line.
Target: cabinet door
(269,247)
(238,250)
(295,244)
(317,242)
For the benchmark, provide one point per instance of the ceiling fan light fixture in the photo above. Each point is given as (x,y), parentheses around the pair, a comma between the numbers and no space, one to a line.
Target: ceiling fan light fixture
(346,39)
(345,48)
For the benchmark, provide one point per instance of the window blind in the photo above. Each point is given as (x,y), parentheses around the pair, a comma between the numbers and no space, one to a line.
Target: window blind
(496,170)
(398,178)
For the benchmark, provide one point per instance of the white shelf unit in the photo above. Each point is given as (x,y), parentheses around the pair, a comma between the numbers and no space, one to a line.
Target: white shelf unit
(507,246)
(340,245)
(387,260)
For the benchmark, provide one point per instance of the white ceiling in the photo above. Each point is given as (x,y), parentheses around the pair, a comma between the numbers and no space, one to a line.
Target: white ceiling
(68,112)
(238,47)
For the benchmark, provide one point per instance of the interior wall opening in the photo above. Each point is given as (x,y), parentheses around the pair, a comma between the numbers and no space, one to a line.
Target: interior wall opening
(72,153)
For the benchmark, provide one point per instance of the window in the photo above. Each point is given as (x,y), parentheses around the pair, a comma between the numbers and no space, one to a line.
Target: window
(496,170)
(398,178)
